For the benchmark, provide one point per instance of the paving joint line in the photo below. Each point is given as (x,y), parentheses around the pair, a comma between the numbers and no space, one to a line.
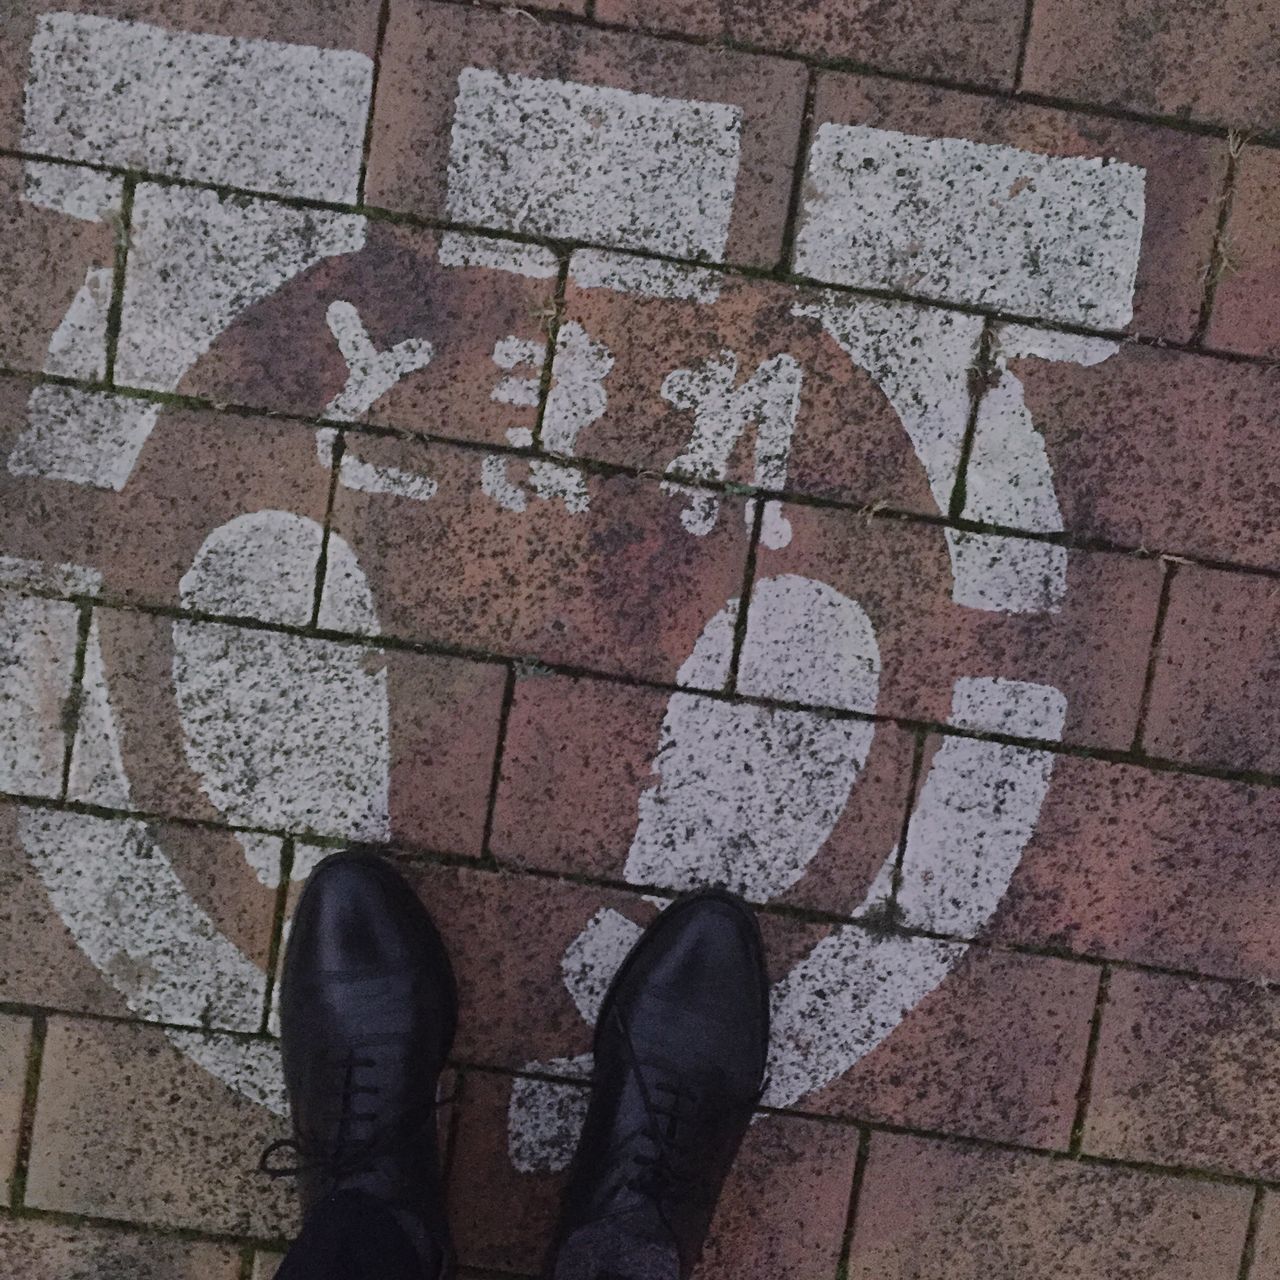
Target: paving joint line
(744,598)
(1024,43)
(1219,264)
(115,308)
(246,1262)
(1153,658)
(1084,1093)
(554,320)
(384,14)
(71,707)
(1249,1251)
(892,911)
(855,1197)
(495,777)
(275,946)
(326,532)
(27,1115)
(981,375)
(800,166)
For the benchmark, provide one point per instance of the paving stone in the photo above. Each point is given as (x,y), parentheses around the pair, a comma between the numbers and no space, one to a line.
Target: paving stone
(782,1212)
(534,559)
(977,44)
(1186,1074)
(330,314)
(41,1250)
(985,632)
(275,98)
(107,492)
(930,1210)
(1245,301)
(15,1050)
(1266,1254)
(1206,62)
(1155,868)
(659,146)
(1147,448)
(1057,212)
(128,1127)
(1213,700)
(766,822)
(59,228)
(209,720)
(721,377)
(265,1265)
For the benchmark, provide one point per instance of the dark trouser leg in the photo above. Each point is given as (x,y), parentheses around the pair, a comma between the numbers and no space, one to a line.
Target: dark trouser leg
(353,1237)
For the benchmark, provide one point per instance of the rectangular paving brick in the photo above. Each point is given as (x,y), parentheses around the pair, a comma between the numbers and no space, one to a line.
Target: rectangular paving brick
(960,626)
(59,226)
(42,1250)
(561,131)
(1057,210)
(241,725)
(123,496)
(1156,868)
(1266,1255)
(128,1127)
(973,43)
(1150,448)
(1247,298)
(930,1210)
(1208,62)
(275,98)
(533,559)
(719,377)
(1185,1075)
(77,941)
(782,1211)
(1214,699)
(15,1051)
(591,770)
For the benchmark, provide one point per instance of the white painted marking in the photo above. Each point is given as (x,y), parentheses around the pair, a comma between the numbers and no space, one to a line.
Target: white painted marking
(251,1068)
(87,194)
(594,956)
(920,358)
(623,273)
(1006,575)
(78,347)
(129,911)
(37,658)
(1020,708)
(346,602)
(97,766)
(61,579)
(1054,237)
(263,854)
(577,397)
(510,353)
(284,118)
(354,473)
(460,249)
(86,437)
(370,373)
(593,163)
(494,484)
(707,666)
(198,259)
(775,528)
(544,1119)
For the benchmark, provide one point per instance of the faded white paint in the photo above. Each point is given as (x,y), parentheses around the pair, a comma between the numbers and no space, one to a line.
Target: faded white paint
(1020,708)
(86,437)
(37,661)
(87,194)
(284,118)
(643,277)
(346,601)
(577,397)
(60,579)
(494,484)
(78,346)
(593,163)
(354,473)
(775,528)
(251,1068)
(197,260)
(551,480)
(1051,237)
(1006,575)
(263,854)
(544,1119)
(594,956)
(370,373)
(97,773)
(707,666)
(460,249)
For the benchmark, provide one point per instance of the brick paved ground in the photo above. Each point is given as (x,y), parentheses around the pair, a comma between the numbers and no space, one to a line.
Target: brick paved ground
(607,446)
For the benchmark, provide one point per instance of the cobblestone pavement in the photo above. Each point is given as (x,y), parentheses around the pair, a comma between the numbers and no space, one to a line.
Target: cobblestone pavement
(829,448)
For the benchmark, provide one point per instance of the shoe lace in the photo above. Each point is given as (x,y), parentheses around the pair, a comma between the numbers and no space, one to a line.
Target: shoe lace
(678,1111)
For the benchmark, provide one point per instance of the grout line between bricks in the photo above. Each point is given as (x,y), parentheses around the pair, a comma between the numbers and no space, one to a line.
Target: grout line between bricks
(1085,1091)
(495,779)
(384,15)
(744,598)
(75,697)
(1153,658)
(288,848)
(1024,43)
(322,560)
(1219,263)
(246,1263)
(1251,1235)
(980,380)
(855,1195)
(804,139)
(554,319)
(124,230)
(892,911)
(27,1120)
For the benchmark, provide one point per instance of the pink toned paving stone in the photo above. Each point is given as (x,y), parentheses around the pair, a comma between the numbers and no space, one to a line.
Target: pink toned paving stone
(1151,448)
(598,571)
(1214,699)
(1246,302)
(1093,647)
(15,1048)
(930,1210)
(1156,868)
(562,131)
(782,1212)
(1207,62)
(976,43)
(1188,1074)
(128,1127)
(43,1250)
(1032,249)
(267,729)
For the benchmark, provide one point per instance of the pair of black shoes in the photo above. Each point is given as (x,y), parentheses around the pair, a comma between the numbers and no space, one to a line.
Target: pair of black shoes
(368,1011)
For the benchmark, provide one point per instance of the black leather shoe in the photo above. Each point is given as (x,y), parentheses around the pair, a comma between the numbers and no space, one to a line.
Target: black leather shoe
(368,1009)
(680,1052)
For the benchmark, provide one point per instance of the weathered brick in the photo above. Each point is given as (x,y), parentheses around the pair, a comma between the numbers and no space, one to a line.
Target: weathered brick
(660,146)
(1059,244)
(930,1210)
(1214,699)
(1186,1075)
(1208,62)
(128,1127)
